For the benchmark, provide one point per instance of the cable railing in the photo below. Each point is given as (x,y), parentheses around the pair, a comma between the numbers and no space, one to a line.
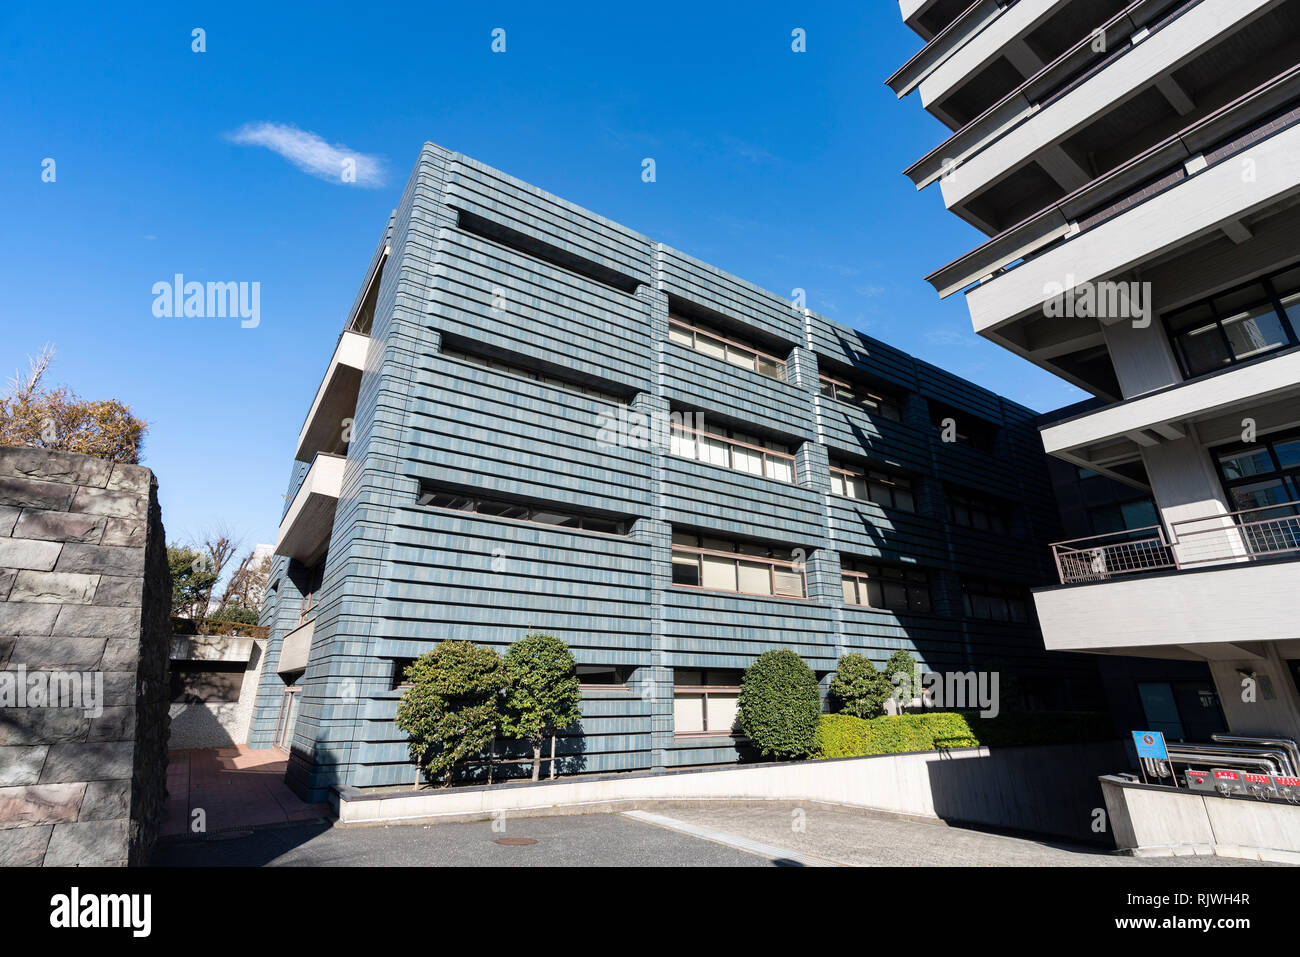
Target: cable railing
(1242,536)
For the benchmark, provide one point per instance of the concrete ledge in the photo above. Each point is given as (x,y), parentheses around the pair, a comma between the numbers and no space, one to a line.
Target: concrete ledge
(1044,790)
(1152,821)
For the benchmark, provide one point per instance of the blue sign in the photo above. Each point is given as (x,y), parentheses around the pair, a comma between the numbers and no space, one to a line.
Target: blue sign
(1151,744)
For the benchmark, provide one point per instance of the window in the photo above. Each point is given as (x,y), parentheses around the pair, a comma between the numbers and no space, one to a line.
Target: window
(887,491)
(705,701)
(519,512)
(523,372)
(887,587)
(1123,517)
(723,565)
(399,673)
(597,677)
(1242,324)
(736,450)
(966,429)
(880,404)
(1183,710)
(977,512)
(536,248)
(1262,475)
(313,578)
(713,343)
(994,601)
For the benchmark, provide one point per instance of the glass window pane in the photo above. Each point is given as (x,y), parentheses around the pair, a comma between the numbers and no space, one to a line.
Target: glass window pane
(1255,332)
(740,357)
(780,469)
(686,570)
(837,483)
(789,583)
(850,589)
(679,335)
(719,573)
(1260,495)
(770,367)
(688,713)
(710,346)
(714,451)
(1244,464)
(755,578)
(746,460)
(875,594)
(920,598)
(1288,453)
(1203,350)
(720,711)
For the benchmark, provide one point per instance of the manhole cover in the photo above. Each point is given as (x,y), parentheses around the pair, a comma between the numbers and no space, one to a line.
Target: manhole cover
(515,841)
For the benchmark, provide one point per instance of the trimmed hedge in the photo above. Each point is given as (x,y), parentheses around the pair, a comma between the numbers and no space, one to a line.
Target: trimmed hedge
(780,705)
(843,736)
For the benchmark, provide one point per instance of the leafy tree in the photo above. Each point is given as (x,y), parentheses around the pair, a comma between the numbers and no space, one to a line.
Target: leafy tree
(779,705)
(900,673)
(542,696)
(452,708)
(58,419)
(192,580)
(858,689)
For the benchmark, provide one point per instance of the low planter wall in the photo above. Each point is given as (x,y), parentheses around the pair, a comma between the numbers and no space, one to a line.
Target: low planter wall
(1051,790)
(1153,821)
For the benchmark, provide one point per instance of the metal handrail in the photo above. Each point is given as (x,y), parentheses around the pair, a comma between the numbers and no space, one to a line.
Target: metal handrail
(1103,557)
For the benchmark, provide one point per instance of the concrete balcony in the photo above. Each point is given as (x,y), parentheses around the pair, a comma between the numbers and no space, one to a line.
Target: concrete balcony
(336,399)
(1266,390)
(1211,228)
(1205,612)
(296,648)
(1111,114)
(306,527)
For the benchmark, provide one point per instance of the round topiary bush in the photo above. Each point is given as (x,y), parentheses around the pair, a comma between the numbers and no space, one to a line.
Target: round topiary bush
(858,689)
(779,705)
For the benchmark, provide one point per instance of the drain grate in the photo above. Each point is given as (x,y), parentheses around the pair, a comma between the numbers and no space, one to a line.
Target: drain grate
(515,841)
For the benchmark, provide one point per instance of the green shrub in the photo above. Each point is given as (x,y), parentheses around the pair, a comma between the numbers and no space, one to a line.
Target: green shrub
(452,709)
(901,676)
(779,705)
(844,736)
(242,616)
(858,689)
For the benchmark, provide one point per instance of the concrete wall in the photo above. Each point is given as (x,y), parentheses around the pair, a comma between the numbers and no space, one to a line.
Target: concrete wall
(214,724)
(1152,821)
(1049,790)
(84,591)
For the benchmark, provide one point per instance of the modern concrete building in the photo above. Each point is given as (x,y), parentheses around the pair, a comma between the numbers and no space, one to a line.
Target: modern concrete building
(1136,167)
(535,418)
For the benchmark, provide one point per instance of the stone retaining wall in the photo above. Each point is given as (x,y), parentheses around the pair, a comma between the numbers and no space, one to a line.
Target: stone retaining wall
(85,599)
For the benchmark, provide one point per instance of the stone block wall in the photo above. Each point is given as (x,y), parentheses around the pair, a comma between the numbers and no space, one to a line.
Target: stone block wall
(85,600)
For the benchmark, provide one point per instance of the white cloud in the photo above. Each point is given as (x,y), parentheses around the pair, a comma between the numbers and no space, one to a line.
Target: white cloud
(311,154)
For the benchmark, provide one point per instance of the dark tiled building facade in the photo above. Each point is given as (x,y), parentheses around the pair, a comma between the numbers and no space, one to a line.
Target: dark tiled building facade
(537,418)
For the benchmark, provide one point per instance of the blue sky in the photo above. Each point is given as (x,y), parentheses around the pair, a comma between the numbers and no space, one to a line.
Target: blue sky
(782,168)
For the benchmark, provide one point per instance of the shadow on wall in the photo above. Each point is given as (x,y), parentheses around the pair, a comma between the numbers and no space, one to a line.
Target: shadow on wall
(204,725)
(1060,797)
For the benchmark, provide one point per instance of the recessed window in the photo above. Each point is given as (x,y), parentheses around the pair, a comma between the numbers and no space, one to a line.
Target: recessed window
(1242,324)
(734,449)
(597,677)
(1123,517)
(962,428)
(521,512)
(718,564)
(884,489)
(887,587)
(994,601)
(705,701)
(977,511)
(714,343)
(398,678)
(1265,474)
(874,401)
(523,372)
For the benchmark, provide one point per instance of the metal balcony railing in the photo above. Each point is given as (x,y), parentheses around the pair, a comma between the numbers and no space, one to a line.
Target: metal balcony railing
(1242,536)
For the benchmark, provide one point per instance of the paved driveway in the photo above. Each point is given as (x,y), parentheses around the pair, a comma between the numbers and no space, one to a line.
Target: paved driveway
(670,834)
